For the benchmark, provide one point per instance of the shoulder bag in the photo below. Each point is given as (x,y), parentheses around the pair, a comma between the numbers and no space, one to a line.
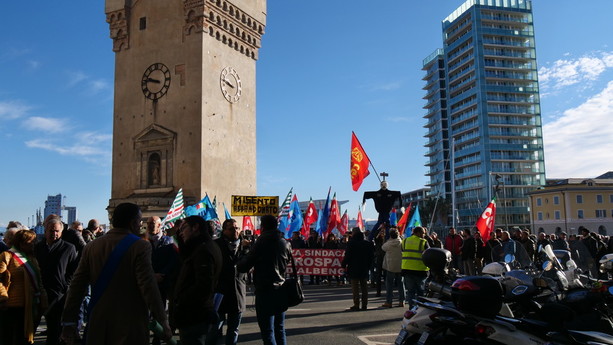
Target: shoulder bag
(292,287)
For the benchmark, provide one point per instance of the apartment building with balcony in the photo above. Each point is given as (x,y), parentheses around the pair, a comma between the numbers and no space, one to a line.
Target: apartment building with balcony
(483,113)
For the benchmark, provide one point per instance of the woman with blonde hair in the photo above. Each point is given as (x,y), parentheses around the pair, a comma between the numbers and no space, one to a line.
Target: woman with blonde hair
(22,297)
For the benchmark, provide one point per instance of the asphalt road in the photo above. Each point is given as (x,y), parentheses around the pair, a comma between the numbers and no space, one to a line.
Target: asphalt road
(323,319)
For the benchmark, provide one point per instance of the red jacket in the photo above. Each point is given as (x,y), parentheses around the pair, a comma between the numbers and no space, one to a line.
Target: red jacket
(453,244)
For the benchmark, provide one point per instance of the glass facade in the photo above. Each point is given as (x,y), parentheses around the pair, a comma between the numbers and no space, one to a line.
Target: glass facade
(483,111)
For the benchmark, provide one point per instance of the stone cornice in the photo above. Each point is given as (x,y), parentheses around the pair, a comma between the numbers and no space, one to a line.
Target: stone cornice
(226,23)
(118,25)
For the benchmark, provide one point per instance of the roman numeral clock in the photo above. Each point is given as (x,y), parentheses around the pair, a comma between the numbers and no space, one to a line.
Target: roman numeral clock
(184,100)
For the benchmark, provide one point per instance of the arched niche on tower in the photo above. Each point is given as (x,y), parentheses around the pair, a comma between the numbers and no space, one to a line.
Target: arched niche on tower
(154,149)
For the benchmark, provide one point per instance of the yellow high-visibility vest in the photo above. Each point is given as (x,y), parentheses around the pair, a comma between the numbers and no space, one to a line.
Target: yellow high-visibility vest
(412,248)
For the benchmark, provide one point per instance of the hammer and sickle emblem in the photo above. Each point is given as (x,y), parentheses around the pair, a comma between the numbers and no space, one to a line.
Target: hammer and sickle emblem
(357,155)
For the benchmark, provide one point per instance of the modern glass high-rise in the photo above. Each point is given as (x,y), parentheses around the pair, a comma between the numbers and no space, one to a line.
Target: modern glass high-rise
(483,113)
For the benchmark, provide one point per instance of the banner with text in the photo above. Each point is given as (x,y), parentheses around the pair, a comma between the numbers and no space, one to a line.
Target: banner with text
(245,205)
(318,262)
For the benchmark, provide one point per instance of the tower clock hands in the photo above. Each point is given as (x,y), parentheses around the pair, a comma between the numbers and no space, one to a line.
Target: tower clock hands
(228,83)
(153,80)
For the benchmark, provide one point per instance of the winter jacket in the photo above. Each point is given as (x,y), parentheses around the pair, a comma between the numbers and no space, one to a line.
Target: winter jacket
(392,262)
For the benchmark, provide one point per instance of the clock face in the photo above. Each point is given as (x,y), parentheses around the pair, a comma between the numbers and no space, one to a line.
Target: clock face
(230,83)
(156,81)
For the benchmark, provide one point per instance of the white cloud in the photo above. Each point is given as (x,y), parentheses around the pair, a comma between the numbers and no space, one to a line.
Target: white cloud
(89,146)
(89,86)
(46,124)
(75,78)
(13,110)
(96,86)
(567,72)
(578,144)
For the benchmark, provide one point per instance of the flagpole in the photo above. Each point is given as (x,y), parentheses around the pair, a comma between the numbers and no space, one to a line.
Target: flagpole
(369,160)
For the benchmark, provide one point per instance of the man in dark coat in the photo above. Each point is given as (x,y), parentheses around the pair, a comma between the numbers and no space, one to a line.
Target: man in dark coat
(468,253)
(232,284)
(359,256)
(269,257)
(195,287)
(58,262)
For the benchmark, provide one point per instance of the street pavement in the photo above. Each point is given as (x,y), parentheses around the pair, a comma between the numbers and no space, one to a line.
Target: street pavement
(323,319)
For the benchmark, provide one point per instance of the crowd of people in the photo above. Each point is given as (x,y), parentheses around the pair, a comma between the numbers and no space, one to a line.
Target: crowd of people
(114,287)
(95,287)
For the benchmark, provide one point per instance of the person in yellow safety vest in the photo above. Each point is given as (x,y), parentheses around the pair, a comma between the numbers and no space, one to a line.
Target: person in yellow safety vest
(414,271)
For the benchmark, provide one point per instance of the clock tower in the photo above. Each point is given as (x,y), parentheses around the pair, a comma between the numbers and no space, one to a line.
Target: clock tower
(184,101)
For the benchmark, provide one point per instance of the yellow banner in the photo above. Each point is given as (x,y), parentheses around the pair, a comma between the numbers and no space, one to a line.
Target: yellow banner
(247,205)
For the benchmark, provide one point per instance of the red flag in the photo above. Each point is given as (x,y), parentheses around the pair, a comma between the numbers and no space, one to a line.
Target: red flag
(359,163)
(485,223)
(335,216)
(360,222)
(247,224)
(344,224)
(310,218)
(402,223)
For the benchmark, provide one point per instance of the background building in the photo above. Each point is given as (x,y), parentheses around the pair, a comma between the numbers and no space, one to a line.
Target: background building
(483,112)
(53,205)
(567,204)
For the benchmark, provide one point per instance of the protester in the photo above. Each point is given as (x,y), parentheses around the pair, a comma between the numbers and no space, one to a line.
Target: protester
(377,267)
(529,245)
(414,271)
(480,253)
(392,264)
(331,243)
(435,242)
(22,296)
(58,261)
(314,242)
(269,257)
(93,230)
(9,234)
(231,285)
(453,243)
(164,259)
(201,267)
(508,246)
(74,236)
(492,245)
(561,242)
(358,258)
(298,243)
(468,253)
(119,313)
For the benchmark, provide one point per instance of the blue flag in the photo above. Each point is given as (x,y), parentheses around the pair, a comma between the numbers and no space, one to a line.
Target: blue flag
(210,210)
(393,218)
(414,222)
(324,214)
(295,217)
(228,216)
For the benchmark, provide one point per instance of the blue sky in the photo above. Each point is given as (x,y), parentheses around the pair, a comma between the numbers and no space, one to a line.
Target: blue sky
(325,68)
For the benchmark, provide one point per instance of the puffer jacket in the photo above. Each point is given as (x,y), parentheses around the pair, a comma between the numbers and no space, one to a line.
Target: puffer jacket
(392,262)
(268,257)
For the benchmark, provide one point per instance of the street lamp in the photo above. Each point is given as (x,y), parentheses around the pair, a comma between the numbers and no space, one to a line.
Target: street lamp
(498,178)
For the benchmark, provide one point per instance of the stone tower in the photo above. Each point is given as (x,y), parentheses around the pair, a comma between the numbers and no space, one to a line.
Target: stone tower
(184,110)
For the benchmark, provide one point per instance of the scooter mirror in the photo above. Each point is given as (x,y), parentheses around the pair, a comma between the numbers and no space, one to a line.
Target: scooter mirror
(509,258)
(547,265)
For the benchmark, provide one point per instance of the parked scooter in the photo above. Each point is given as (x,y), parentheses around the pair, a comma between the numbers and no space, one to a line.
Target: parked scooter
(472,314)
